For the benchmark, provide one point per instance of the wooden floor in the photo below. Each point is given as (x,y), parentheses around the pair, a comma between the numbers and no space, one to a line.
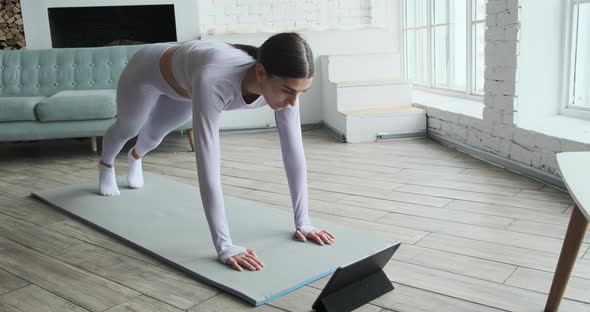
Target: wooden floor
(474,237)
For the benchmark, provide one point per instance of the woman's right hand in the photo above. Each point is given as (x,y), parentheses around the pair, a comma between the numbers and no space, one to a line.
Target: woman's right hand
(247,259)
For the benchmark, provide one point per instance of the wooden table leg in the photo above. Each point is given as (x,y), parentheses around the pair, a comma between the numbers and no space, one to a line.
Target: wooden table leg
(567,258)
(191,138)
(93,145)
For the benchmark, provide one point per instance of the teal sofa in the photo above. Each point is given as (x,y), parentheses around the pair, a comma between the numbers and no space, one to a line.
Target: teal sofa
(61,93)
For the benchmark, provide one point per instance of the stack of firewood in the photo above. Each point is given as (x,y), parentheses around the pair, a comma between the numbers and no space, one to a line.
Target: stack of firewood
(12,34)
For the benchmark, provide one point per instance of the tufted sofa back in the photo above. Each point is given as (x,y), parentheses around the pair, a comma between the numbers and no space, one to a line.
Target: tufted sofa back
(47,71)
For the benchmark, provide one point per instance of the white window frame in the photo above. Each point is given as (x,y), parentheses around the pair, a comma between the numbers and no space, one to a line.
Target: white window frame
(470,68)
(470,27)
(568,108)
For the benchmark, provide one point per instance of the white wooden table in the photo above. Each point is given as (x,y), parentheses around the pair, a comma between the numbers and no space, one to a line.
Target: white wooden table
(575,172)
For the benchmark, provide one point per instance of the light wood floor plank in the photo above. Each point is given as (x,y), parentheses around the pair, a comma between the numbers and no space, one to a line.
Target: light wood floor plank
(10,282)
(34,298)
(540,281)
(409,299)
(502,253)
(224,302)
(484,234)
(492,173)
(521,182)
(547,196)
(418,179)
(542,229)
(34,236)
(163,284)
(405,197)
(88,234)
(510,212)
(31,210)
(77,286)
(454,263)
(472,289)
(385,160)
(144,304)
(484,198)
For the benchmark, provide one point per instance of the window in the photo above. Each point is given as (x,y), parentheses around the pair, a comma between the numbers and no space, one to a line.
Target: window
(580,57)
(444,44)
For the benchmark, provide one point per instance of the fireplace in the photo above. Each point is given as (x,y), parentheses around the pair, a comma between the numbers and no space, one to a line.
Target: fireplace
(111,25)
(91,23)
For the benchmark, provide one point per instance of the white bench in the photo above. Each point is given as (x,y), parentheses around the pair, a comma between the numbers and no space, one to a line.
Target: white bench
(364,98)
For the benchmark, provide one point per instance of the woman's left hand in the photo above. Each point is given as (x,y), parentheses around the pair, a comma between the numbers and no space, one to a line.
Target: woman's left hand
(321,237)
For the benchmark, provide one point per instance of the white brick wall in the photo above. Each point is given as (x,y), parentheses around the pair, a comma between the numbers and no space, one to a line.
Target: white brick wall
(497,132)
(249,16)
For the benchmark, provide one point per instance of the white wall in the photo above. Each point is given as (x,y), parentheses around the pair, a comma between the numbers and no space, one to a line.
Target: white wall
(252,16)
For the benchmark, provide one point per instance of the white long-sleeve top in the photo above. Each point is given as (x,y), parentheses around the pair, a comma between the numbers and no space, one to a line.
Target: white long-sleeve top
(212,73)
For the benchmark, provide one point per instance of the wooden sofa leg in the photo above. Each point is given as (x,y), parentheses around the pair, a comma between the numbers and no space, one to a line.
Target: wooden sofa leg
(191,139)
(93,145)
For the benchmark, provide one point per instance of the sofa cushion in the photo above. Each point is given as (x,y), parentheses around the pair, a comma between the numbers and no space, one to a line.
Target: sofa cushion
(18,108)
(78,105)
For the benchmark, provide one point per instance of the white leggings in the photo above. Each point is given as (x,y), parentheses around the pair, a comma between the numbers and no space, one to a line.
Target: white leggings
(147,105)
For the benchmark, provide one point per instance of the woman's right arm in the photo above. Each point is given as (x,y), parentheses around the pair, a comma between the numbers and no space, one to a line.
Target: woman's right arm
(207,108)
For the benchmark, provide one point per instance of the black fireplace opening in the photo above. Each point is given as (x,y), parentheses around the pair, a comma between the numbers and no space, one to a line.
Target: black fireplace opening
(111,25)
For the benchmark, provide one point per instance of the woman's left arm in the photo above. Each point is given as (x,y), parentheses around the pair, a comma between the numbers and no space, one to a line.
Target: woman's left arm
(289,125)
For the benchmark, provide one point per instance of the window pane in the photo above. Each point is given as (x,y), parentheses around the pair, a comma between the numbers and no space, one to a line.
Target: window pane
(458,45)
(411,72)
(421,12)
(478,57)
(422,56)
(439,44)
(582,60)
(439,11)
(416,53)
(416,13)
(410,13)
(479,7)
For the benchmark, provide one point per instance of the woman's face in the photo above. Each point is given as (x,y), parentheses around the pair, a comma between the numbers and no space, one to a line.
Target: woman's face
(281,92)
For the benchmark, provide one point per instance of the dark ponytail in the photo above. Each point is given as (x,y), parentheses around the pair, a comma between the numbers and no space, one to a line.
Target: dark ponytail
(250,50)
(284,55)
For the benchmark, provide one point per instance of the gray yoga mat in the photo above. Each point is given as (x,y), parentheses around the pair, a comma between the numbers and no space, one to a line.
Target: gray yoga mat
(165,218)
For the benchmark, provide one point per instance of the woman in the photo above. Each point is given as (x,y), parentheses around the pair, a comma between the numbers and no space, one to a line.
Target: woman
(164,85)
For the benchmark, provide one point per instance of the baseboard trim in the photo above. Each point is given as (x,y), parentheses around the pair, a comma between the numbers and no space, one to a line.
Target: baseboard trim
(499,161)
(407,135)
(335,133)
